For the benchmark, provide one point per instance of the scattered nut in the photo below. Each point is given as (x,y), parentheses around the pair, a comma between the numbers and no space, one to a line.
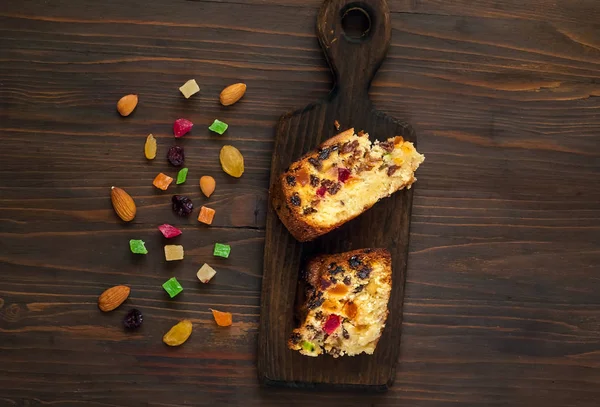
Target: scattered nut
(123,204)
(127,104)
(232,93)
(113,297)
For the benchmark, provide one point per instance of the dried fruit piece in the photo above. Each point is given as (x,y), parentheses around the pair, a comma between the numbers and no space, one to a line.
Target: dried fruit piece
(150,147)
(343,174)
(173,252)
(181,127)
(336,124)
(207,185)
(172,286)
(232,161)
(179,333)
(123,204)
(127,104)
(182,176)
(162,181)
(133,319)
(182,205)
(176,156)
(308,346)
(169,231)
(205,273)
(113,297)
(206,215)
(137,246)
(232,93)
(222,318)
(189,88)
(222,250)
(218,127)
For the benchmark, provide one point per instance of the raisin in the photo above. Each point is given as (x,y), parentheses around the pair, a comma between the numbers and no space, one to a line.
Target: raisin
(324,154)
(311,327)
(308,210)
(332,265)
(354,262)
(387,146)
(333,280)
(327,183)
(295,337)
(364,272)
(316,302)
(337,270)
(358,289)
(361,133)
(334,188)
(176,156)
(316,163)
(325,284)
(319,315)
(392,169)
(133,319)
(295,199)
(182,205)
(367,251)
(314,181)
(349,146)
(291,180)
(345,333)
(347,280)
(335,148)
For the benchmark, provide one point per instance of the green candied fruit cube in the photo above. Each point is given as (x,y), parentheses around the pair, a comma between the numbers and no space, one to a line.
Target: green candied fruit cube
(137,246)
(182,176)
(222,250)
(308,346)
(172,287)
(218,126)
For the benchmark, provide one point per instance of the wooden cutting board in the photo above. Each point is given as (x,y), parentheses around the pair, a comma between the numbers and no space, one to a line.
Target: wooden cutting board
(354,61)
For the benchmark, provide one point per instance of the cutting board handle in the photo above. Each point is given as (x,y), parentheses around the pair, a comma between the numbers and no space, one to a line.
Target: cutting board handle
(354,55)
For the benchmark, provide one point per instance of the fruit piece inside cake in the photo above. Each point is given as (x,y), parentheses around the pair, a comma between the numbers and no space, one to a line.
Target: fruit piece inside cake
(344,177)
(345,305)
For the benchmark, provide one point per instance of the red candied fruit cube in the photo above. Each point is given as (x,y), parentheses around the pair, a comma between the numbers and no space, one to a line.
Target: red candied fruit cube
(181,127)
(343,174)
(321,191)
(169,231)
(332,323)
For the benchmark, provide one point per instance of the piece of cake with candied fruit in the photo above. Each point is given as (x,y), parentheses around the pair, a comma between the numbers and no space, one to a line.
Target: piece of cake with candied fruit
(345,303)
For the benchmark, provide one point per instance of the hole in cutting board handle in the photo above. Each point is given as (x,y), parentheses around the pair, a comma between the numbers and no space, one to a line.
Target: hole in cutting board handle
(356,22)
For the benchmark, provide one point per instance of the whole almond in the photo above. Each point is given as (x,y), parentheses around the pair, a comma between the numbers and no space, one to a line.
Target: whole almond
(113,297)
(207,185)
(127,104)
(123,204)
(232,93)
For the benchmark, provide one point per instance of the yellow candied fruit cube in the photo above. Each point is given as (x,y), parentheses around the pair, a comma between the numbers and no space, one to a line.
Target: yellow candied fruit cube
(407,147)
(398,161)
(173,252)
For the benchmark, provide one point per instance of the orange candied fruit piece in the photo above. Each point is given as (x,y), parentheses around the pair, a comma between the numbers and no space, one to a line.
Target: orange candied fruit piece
(206,215)
(222,318)
(398,140)
(162,181)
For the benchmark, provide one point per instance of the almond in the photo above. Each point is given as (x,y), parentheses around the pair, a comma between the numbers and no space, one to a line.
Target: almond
(123,204)
(127,104)
(232,93)
(207,185)
(113,297)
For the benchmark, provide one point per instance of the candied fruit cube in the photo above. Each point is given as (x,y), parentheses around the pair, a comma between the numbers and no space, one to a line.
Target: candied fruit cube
(189,88)
(331,324)
(222,250)
(172,287)
(182,176)
(218,127)
(169,231)
(173,252)
(179,333)
(150,147)
(205,273)
(162,181)
(137,246)
(222,318)
(181,127)
(206,215)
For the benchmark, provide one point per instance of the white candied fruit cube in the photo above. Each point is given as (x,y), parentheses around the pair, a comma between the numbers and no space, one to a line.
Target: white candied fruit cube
(206,273)
(189,88)
(173,252)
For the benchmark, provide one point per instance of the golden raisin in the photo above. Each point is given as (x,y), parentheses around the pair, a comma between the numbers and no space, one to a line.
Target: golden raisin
(150,147)
(232,161)
(179,333)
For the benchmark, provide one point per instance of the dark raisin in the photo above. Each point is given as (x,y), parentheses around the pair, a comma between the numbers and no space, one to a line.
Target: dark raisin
(333,280)
(295,337)
(316,302)
(295,199)
(176,156)
(182,205)
(354,262)
(387,146)
(316,163)
(361,133)
(337,270)
(333,189)
(331,265)
(291,180)
(347,280)
(325,284)
(319,315)
(364,272)
(345,333)
(358,289)
(364,167)
(349,146)
(367,251)
(315,202)
(324,153)
(311,327)
(133,319)
(392,169)
(308,210)
(335,148)
(314,181)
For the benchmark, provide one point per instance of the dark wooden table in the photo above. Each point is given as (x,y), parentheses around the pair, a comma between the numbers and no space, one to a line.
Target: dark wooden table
(503,289)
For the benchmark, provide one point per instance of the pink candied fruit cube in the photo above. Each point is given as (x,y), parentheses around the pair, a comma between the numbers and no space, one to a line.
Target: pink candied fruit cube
(169,231)
(321,191)
(343,174)
(332,323)
(181,127)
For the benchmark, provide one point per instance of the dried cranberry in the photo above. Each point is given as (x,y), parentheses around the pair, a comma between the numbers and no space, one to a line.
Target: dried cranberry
(332,323)
(133,319)
(182,127)
(176,156)
(321,191)
(182,205)
(343,174)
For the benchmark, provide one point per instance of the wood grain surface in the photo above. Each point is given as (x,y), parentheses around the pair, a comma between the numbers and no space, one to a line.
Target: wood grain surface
(501,303)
